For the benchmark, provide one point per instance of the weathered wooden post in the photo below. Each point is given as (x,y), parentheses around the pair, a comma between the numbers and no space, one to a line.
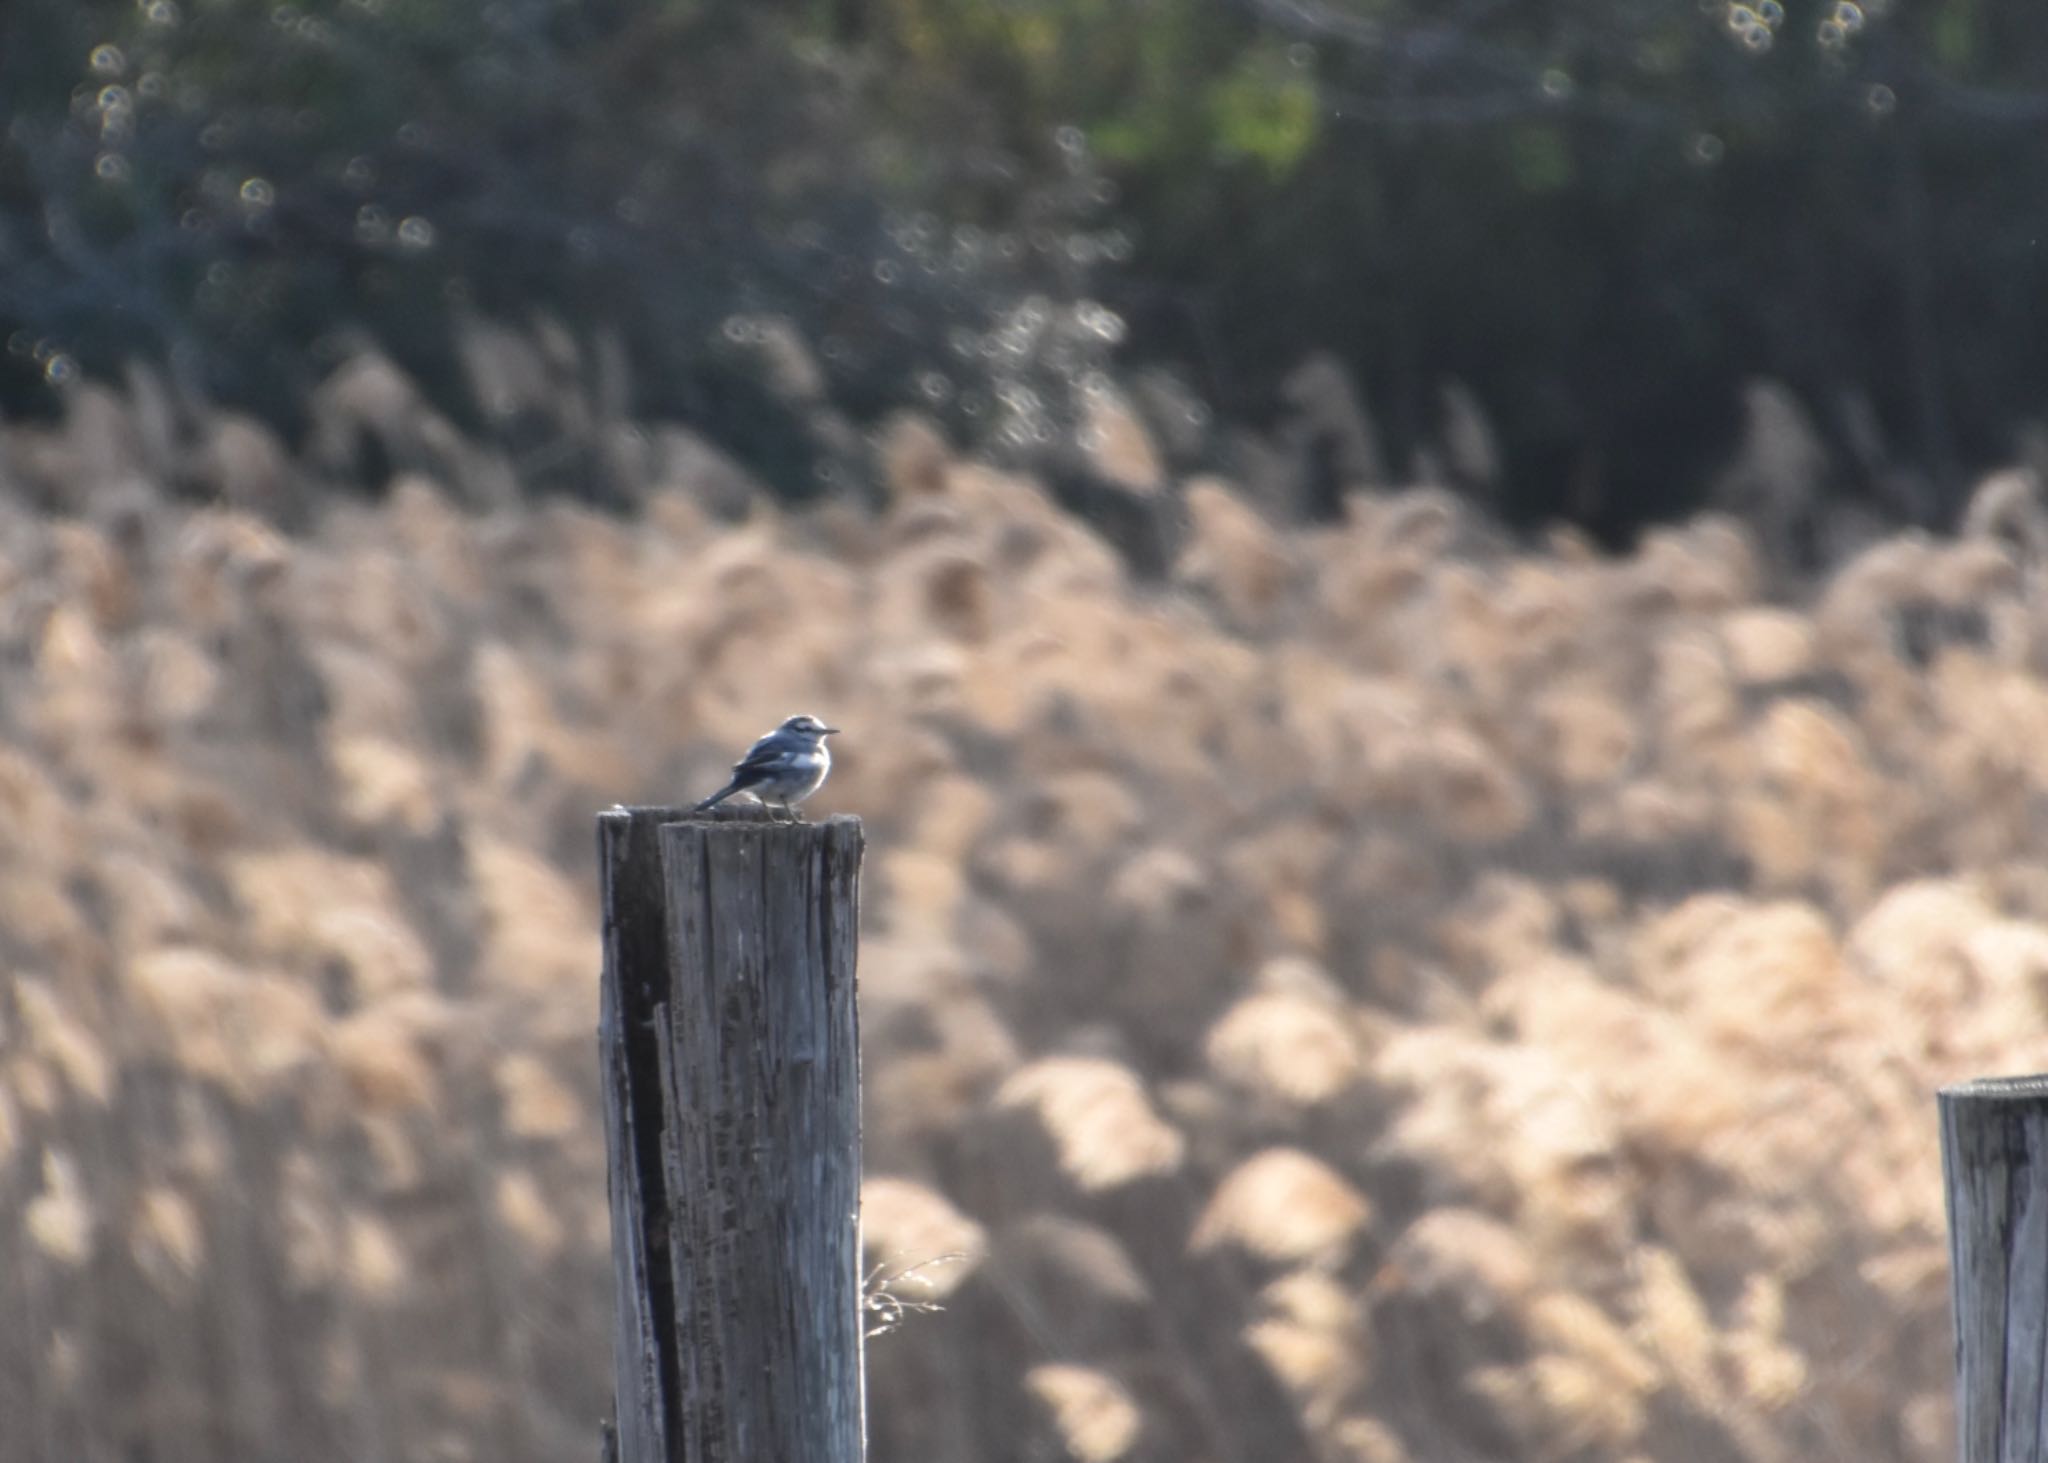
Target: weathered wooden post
(732,1119)
(1994,1158)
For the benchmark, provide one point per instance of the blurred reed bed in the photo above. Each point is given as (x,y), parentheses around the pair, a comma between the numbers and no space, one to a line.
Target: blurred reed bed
(1371,991)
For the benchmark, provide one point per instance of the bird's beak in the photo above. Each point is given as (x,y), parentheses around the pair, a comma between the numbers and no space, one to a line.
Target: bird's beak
(828,731)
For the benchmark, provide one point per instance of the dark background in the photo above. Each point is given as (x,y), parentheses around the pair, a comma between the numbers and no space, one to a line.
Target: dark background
(1601,218)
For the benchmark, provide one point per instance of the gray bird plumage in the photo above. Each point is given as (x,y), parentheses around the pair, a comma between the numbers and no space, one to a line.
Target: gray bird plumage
(786,766)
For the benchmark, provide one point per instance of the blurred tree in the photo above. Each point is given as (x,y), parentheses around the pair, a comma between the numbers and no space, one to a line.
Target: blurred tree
(1603,217)
(243,188)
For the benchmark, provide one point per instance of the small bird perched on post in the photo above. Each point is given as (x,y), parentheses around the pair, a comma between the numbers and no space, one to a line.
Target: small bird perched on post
(786,766)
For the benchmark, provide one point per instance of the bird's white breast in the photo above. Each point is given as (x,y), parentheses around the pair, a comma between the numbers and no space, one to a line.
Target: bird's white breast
(819,761)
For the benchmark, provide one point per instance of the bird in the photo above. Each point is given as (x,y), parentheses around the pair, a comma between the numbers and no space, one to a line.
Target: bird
(785,766)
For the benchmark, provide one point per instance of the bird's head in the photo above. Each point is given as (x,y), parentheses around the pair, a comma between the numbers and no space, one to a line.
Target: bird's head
(808,727)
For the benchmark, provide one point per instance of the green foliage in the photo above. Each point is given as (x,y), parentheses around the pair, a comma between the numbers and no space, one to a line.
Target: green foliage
(1264,110)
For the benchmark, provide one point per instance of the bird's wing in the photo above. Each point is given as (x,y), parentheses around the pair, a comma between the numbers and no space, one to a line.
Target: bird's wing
(766,755)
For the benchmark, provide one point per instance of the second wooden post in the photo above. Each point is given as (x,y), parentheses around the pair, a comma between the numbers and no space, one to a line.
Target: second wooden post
(1994,1153)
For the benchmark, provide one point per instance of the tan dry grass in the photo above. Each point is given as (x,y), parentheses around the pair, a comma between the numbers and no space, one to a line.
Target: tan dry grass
(1375,926)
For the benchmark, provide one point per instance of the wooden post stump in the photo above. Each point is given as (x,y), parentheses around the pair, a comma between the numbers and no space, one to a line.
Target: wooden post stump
(1994,1157)
(731,1072)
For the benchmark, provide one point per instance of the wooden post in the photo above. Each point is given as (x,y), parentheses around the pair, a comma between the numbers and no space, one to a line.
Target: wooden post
(1994,1158)
(731,1075)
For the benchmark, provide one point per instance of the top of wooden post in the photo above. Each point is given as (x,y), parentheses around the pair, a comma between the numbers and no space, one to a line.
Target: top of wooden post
(1998,1089)
(751,815)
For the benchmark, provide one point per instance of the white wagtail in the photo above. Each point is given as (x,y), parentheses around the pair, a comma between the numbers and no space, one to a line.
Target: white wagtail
(786,766)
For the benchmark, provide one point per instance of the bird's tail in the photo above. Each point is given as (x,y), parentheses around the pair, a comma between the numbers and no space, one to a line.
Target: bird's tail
(718,797)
